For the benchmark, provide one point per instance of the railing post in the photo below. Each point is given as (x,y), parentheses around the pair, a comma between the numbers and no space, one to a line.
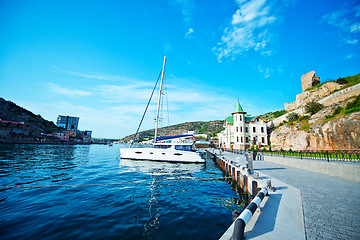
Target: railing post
(245,185)
(254,186)
(327,155)
(238,178)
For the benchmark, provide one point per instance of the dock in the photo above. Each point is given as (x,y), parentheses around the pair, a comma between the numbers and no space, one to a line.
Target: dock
(304,205)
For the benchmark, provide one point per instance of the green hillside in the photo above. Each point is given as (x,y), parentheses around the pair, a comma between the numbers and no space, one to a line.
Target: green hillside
(210,128)
(33,124)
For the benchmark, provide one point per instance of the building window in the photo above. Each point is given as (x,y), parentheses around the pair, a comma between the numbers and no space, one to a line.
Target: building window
(254,129)
(237,129)
(241,139)
(247,139)
(240,118)
(240,129)
(237,139)
(246,129)
(262,129)
(235,118)
(263,140)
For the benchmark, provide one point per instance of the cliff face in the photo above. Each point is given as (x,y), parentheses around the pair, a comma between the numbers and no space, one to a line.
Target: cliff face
(335,127)
(336,134)
(319,132)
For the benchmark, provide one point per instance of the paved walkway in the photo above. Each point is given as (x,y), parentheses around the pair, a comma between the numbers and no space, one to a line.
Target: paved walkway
(331,205)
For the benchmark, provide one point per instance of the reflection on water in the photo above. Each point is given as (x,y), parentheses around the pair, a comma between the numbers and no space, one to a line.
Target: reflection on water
(153,220)
(151,200)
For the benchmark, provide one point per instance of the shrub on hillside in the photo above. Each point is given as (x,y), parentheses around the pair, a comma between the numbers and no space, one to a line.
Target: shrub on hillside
(292,117)
(303,118)
(279,113)
(313,107)
(337,110)
(341,80)
(353,106)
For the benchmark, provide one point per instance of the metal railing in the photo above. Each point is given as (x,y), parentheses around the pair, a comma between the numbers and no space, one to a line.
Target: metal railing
(326,155)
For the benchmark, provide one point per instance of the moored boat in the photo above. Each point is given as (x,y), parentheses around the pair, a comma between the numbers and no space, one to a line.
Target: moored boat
(169,148)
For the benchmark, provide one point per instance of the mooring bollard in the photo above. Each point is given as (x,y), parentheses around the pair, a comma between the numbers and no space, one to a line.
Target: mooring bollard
(245,216)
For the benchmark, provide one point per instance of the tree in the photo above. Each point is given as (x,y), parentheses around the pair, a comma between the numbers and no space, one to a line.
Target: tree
(292,117)
(313,107)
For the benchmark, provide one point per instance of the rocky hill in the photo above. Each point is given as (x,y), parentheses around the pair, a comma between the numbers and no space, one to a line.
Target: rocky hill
(32,123)
(320,119)
(210,128)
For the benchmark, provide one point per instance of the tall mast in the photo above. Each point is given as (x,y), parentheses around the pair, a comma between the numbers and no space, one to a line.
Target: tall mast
(159,99)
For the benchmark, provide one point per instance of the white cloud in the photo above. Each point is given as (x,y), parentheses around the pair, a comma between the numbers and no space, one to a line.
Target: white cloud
(114,110)
(186,7)
(349,56)
(248,29)
(355,27)
(54,88)
(265,71)
(96,76)
(352,42)
(347,21)
(188,34)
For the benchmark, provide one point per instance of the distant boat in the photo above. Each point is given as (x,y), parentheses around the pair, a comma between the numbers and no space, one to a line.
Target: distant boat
(178,148)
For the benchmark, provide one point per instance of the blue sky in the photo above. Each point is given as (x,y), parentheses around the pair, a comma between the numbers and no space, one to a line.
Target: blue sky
(99,60)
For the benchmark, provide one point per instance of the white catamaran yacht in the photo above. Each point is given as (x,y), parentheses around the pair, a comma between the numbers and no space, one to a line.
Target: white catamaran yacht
(178,148)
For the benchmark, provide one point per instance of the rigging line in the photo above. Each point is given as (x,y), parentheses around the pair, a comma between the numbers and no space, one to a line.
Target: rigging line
(112,184)
(152,93)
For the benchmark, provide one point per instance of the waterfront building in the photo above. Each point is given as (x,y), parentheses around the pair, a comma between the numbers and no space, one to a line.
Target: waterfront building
(85,136)
(241,131)
(62,135)
(68,122)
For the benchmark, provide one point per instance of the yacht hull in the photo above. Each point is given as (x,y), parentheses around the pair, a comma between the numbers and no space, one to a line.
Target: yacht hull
(162,155)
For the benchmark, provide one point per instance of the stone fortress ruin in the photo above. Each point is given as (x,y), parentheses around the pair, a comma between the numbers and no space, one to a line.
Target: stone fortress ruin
(308,80)
(323,94)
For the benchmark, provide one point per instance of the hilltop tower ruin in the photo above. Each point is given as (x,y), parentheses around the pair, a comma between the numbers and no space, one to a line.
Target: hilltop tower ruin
(308,80)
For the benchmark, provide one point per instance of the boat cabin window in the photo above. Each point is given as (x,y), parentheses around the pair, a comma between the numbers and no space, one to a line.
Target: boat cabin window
(183,147)
(162,146)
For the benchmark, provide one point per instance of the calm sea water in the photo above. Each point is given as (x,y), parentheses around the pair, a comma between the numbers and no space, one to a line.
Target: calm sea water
(150,200)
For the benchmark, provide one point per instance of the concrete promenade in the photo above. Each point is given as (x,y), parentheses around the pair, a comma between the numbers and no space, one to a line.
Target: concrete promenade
(331,206)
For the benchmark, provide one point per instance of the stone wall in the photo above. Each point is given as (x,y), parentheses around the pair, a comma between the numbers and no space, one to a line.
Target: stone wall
(315,95)
(341,95)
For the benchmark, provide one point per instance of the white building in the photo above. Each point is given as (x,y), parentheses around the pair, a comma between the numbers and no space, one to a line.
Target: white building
(242,131)
(67,122)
